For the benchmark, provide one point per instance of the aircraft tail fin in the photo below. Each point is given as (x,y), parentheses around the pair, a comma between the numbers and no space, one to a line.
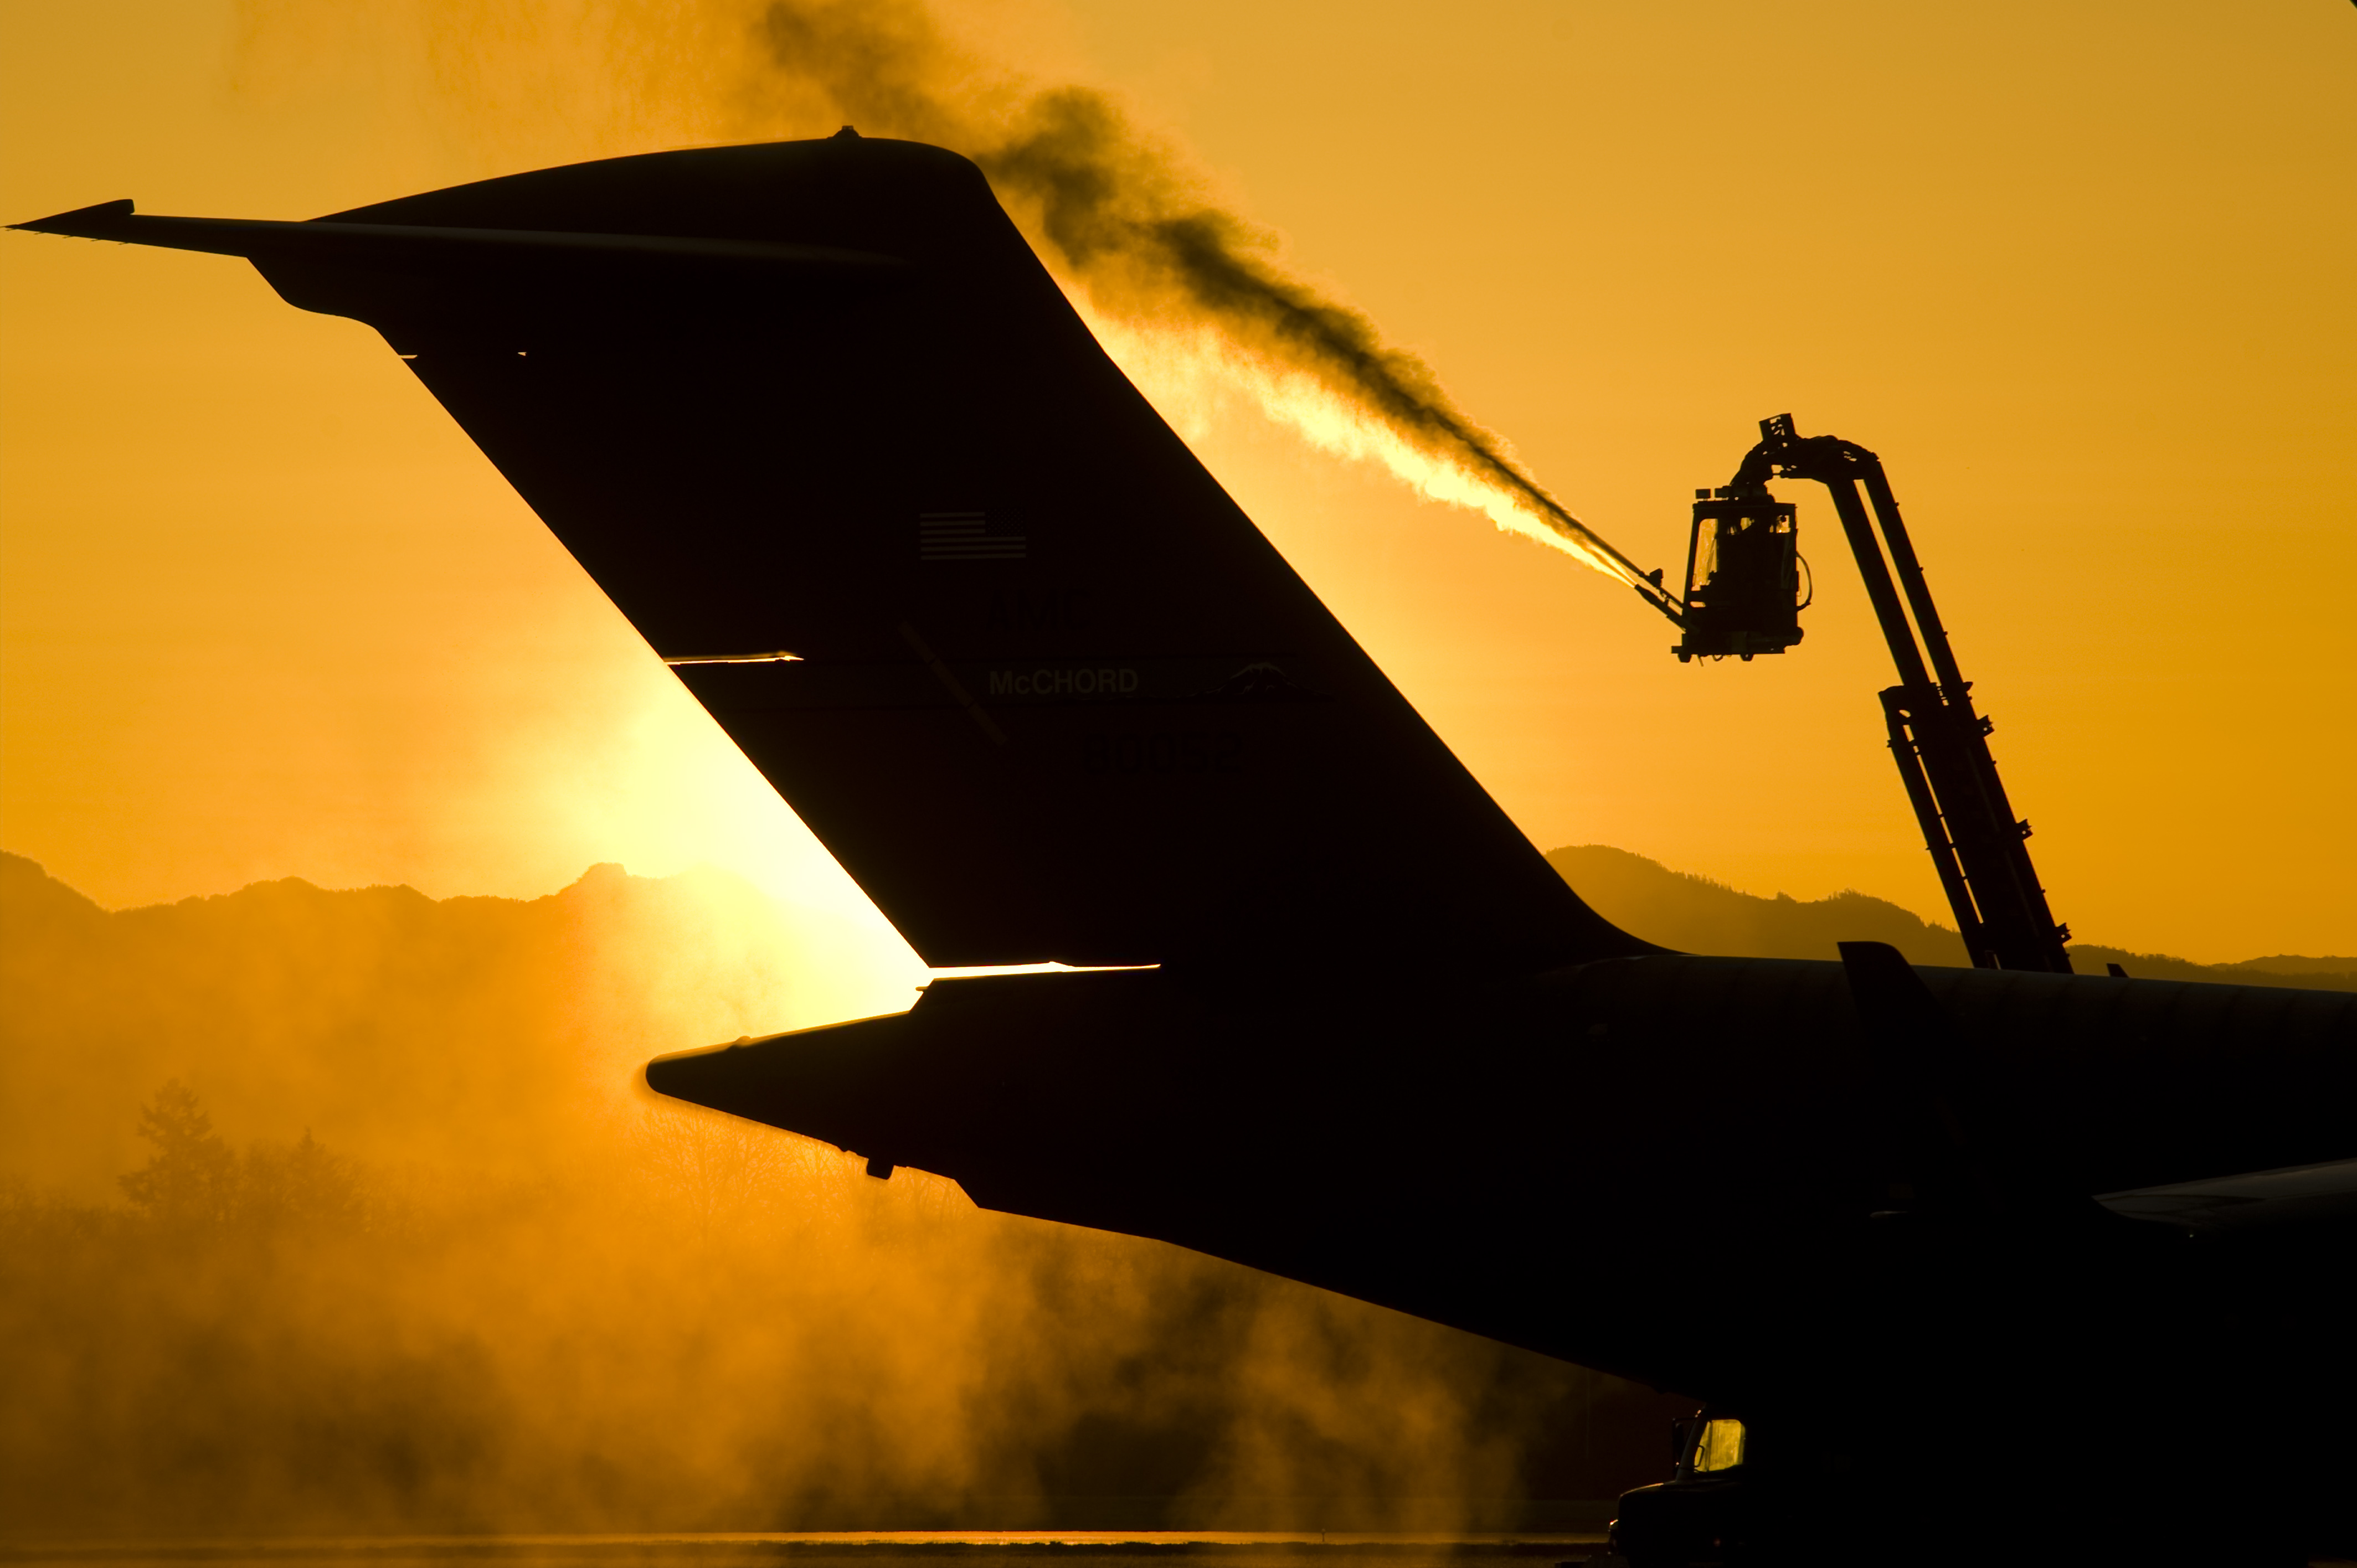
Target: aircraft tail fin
(817,418)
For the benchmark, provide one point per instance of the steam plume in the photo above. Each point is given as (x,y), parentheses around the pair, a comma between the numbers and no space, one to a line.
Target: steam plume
(1119,214)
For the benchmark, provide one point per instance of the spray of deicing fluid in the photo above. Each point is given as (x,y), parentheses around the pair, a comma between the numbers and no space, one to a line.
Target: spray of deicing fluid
(1117,214)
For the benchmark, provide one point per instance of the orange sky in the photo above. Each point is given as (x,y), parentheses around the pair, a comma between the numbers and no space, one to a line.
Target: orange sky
(2077,271)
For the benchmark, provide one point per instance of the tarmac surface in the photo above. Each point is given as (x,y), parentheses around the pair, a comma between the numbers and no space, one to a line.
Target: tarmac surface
(883,1549)
(847,1549)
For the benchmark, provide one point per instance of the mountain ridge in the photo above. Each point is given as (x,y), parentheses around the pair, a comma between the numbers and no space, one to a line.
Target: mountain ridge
(1697,914)
(331,995)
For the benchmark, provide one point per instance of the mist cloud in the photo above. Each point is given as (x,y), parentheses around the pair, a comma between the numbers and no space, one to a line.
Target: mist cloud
(1119,214)
(399,1244)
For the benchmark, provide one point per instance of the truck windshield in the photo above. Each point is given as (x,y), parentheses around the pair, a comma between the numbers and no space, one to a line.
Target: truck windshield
(1720,1446)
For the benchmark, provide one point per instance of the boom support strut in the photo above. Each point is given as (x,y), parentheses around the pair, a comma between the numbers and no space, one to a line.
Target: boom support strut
(1977,845)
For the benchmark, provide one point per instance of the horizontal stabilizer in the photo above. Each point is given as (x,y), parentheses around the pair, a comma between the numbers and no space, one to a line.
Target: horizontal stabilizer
(100,221)
(2299,1196)
(323,240)
(1340,1130)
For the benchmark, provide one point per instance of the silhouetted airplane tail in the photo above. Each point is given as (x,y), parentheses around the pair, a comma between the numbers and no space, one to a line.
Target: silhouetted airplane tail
(817,418)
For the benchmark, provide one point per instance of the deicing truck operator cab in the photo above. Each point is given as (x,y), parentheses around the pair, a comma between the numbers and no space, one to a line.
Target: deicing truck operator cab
(1703,1513)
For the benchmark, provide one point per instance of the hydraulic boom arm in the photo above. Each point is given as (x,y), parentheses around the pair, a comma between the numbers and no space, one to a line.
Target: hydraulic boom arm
(1941,744)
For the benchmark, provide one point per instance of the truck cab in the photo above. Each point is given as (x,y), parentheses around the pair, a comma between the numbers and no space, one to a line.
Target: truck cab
(1700,1517)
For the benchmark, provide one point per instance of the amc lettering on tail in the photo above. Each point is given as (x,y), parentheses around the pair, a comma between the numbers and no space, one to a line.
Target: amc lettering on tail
(1064,682)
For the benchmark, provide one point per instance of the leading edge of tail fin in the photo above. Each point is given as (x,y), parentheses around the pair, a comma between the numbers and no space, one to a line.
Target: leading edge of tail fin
(817,418)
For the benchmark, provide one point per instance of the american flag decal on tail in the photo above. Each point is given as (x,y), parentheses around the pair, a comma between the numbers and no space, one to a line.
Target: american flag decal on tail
(964,536)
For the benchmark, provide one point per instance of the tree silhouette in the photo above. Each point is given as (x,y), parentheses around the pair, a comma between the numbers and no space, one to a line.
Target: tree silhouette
(190,1180)
(300,1186)
(194,1183)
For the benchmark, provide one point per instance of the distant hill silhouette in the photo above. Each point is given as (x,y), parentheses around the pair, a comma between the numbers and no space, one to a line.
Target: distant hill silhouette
(390,1024)
(2284,969)
(1695,914)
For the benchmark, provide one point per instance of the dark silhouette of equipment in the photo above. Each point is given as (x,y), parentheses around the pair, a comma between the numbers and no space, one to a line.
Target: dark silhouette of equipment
(1746,586)
(1748,605)
(815,418)
(1744,569)
(1698,1515)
